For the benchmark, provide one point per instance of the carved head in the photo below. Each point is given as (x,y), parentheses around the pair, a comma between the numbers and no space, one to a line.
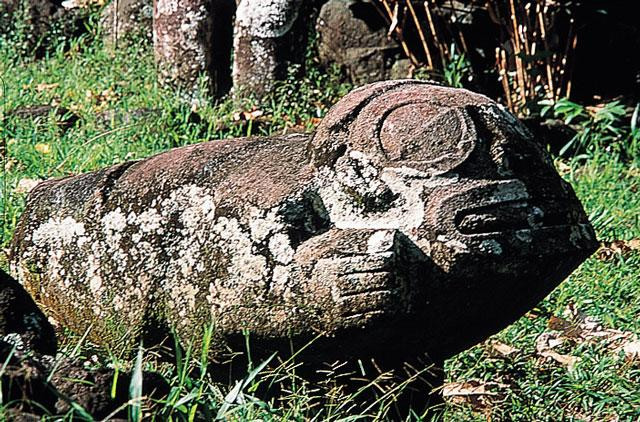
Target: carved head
(491,226)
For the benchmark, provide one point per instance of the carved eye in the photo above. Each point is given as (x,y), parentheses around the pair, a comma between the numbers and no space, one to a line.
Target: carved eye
(427,138)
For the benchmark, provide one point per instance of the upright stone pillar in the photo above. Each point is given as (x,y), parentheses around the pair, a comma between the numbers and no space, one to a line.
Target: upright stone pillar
(183,43)
(125,20)
(261,44)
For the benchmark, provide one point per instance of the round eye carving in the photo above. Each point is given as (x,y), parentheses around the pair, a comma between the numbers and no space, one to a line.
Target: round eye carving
(417,136)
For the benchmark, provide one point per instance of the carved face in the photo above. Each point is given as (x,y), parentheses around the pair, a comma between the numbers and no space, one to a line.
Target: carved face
(495,226)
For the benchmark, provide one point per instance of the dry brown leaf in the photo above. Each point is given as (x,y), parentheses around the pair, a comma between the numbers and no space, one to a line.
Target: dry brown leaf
(46,87)
(315,121)
(478,394)
(43,148)
(82,4)
(562,167)
(247,115)
(634,244)
(623,247)
(26,185)
(558,324)
(466,388)
(101,99)
(548,341)
(577,327)
(632,350)
(567,360)
(503,349)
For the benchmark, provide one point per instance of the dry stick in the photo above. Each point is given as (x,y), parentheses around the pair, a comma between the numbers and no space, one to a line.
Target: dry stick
(529,30)
(543,34)
(463,41)
(398,32)
(517,50)
(421,34)
(565,59)
(573,48)
(434,33)
(502,63)
(453,10)
(522,32)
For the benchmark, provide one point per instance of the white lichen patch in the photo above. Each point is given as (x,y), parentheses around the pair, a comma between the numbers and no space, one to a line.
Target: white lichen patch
(356,179)
(113,224)
(167,7)
(238,247)
(185,295)
(380,241)
(59,232)
(281,249)
(263,222)
(94,277)
(149,221)
(267,18)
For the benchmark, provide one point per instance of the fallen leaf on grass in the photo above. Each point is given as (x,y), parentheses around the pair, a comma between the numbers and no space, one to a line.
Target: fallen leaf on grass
(46,87)
(548,341)
(43,148)
(503,349)
(575,327)
(566,360)
(631,350)
(623,247)
(247,115)
(468,388)
(315,121)
(569,329)
(101,99)
(26,185)
(478,394)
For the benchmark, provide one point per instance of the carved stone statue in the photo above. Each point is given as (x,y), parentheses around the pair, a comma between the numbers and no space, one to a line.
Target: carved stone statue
(416,219)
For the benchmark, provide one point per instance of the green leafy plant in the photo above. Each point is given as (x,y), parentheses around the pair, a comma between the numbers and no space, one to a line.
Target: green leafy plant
(457,70)
(599,130)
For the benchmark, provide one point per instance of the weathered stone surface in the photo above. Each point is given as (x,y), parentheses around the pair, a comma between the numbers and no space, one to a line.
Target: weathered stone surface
(28,393)
(183,44)
(32,385)
(262,44)
(125,20)
(416,219)
(353,35)
(21,322)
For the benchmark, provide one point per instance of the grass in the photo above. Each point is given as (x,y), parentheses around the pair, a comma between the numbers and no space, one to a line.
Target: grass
(123,114)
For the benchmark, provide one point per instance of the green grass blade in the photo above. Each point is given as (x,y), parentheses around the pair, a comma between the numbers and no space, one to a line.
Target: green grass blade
(135,388)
